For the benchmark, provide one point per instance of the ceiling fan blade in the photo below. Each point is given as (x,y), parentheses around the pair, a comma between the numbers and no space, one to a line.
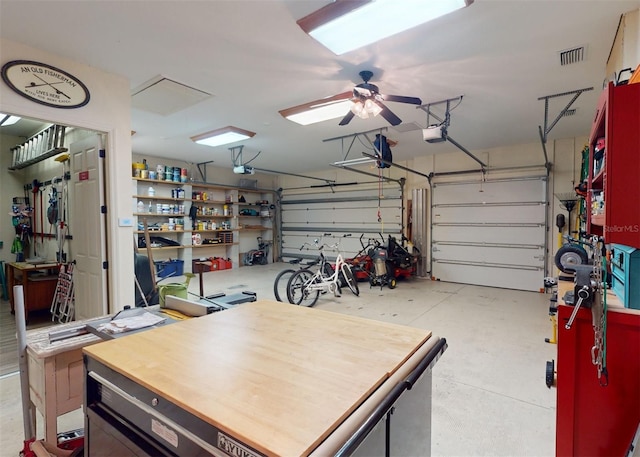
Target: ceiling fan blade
(345,120)
(401,99)
(388,115)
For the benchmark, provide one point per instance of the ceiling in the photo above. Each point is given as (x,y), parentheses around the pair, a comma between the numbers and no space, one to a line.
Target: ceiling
(251,55)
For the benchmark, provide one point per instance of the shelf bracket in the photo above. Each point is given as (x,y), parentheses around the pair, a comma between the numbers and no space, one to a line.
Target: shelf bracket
(544,132)
(202,168)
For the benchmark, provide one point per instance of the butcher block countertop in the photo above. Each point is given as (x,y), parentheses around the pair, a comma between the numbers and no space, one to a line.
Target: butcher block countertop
(278,377)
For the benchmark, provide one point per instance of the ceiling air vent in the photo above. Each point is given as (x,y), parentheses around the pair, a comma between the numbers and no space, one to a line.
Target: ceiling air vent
(573,55)
(569,112)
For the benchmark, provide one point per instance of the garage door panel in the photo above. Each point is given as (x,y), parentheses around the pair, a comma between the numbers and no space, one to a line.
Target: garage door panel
(291,215)
(505,277)
(486,234)
(523,214)
(492,192)
(521,256)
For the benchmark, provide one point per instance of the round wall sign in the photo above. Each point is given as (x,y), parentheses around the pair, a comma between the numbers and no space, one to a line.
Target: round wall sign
(45,84)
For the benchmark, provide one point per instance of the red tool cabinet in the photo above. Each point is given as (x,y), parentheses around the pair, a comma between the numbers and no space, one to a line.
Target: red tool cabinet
(593,420)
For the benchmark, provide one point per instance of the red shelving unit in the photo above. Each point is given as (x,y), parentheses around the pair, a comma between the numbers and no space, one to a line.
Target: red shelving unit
(617,119)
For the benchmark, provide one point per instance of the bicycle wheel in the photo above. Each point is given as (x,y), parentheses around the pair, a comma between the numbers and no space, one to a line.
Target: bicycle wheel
(297,291)
(350,279)
(281,282)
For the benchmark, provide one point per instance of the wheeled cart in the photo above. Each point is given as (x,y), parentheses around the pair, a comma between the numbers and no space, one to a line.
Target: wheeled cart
(264,378)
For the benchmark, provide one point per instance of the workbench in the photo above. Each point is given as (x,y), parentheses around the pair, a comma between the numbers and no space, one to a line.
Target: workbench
(38,282)
(265,378)
(592,419)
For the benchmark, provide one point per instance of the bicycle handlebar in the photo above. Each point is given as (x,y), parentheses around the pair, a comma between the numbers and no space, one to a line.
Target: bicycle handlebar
(322,246)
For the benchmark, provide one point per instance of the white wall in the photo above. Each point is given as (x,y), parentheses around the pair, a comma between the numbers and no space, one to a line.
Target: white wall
(625,51)
(108,111)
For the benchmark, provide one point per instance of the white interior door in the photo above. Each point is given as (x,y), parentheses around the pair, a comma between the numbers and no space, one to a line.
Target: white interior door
(89,240)
(491,234)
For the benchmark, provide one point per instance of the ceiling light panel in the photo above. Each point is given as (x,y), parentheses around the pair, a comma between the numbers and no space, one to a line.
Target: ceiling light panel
(319,110)
(225,135)
(8,119)
(375,20)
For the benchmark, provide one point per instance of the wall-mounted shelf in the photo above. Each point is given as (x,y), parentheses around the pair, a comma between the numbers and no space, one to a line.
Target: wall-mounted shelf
(237,239)
(149,197)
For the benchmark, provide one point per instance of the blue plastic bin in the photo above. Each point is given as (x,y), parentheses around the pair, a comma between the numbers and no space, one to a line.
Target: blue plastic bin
(171,267)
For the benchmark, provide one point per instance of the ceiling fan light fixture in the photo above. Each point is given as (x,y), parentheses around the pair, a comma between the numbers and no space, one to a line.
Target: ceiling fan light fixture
(222,136)
(318,110)
(346,25)
(357,108)
(8,119)
(372,108)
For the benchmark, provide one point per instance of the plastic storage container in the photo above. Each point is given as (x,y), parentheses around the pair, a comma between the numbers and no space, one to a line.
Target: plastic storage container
(165,268)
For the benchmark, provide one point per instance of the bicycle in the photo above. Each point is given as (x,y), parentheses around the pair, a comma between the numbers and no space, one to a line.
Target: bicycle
(304,287)
(282,279)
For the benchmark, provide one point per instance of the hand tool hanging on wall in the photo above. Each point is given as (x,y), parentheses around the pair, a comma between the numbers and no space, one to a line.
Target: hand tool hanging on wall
(35,189)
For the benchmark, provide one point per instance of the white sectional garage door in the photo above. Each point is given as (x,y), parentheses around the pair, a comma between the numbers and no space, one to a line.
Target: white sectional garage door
(494,237)
(355,211)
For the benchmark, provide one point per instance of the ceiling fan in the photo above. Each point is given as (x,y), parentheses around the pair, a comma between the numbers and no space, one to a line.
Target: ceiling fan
(367,101)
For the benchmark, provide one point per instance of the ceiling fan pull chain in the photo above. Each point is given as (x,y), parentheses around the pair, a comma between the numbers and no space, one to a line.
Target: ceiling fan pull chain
(379,198)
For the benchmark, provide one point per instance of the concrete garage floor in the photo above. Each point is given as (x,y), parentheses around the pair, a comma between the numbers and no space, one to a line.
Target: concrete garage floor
(489,394)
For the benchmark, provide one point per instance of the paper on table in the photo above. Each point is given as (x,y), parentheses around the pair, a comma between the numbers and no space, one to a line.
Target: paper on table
(131,323)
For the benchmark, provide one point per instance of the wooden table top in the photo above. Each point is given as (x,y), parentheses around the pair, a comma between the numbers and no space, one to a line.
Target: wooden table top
(278,377)
(26,266)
